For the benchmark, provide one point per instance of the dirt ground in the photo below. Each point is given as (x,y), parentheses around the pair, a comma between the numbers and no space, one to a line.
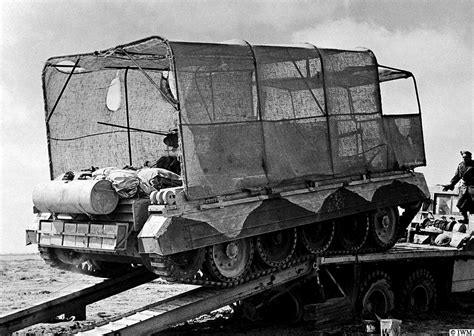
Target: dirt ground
(26,279)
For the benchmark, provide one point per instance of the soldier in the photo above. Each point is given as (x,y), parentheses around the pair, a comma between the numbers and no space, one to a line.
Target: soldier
(464,172)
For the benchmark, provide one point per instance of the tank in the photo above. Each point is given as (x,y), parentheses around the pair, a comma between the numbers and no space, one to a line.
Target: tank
(242,159)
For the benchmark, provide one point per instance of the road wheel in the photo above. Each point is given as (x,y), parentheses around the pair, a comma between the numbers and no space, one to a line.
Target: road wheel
(275,249)
(352,232)
(317,237)
(419,294)
(376,295)
(229,261)
(385,227)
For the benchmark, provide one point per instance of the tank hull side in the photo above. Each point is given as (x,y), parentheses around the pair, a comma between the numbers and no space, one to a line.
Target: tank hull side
(214,225)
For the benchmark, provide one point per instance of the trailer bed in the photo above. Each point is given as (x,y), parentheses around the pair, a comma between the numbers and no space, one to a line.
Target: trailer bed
(398,252)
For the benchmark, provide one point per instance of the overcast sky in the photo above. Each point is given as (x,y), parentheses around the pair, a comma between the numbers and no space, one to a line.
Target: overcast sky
(433,39)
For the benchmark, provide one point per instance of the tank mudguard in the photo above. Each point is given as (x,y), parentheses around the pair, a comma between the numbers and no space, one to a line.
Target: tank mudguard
(164,235)
(220,222)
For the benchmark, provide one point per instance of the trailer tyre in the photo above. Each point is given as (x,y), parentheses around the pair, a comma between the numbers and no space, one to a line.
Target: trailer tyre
(376,295)
(419,294)
(285,307)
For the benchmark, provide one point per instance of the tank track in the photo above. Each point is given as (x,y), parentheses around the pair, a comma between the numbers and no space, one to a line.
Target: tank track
(159,266)
(86,268)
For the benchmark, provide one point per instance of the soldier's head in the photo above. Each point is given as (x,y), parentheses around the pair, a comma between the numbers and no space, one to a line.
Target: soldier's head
(466,156)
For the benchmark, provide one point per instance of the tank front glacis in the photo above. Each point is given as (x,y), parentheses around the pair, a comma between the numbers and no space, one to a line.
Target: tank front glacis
(223,157)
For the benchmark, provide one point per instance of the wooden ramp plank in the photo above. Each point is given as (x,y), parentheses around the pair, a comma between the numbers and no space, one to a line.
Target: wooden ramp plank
(75,301)
(200,301)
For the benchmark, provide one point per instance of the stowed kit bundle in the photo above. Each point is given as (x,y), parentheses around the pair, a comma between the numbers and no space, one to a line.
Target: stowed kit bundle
(98,193)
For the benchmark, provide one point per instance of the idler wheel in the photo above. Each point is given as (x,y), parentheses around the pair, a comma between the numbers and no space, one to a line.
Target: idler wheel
(182,265)
(385,227)
(317,237)
(185,264)
(276,248)
(230,261)
(352,232)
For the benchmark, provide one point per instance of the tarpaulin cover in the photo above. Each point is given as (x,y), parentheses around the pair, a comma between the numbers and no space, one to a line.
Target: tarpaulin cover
(248,116)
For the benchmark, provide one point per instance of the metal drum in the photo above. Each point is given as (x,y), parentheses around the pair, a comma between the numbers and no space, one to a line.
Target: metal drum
(95,197)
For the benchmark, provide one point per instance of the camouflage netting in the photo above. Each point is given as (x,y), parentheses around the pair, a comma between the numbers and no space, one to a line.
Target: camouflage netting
(77,138)
(249,116)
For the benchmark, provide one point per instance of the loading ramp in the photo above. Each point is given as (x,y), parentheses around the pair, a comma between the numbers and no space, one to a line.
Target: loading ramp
(169,312)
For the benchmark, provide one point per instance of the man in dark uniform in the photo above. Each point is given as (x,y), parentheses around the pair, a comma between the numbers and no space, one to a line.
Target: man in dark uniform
(464,172)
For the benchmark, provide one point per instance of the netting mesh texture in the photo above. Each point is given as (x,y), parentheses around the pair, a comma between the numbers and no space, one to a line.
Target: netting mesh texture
(78,135)
(250,116)
(264,116)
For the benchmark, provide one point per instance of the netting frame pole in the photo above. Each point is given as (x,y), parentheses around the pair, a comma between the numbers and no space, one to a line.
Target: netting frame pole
(181,156)
(325,106)
(127,112)
(259,112)
(48,131)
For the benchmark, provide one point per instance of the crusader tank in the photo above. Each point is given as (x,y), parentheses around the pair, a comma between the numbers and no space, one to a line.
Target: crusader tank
(214,163)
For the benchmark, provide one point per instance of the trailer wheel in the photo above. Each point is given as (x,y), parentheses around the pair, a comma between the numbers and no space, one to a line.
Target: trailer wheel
(284,306)
(385,227)
(376,295)
(249,308)
(419,294)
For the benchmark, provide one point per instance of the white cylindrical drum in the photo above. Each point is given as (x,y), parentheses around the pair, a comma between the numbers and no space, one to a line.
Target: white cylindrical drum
(95,197)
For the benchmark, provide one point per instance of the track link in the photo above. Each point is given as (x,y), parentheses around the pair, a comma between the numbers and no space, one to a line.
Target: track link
(160,266)
(87,267)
